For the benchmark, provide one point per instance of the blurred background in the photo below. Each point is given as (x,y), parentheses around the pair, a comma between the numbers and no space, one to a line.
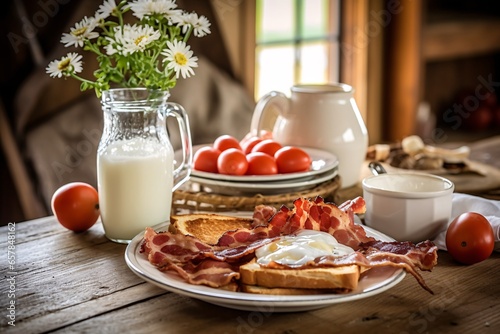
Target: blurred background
(418,67)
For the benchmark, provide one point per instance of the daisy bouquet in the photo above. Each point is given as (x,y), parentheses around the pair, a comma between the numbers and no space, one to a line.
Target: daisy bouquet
(150,53)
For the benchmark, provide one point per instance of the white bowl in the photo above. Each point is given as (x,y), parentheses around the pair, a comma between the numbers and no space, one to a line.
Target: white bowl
(408,207)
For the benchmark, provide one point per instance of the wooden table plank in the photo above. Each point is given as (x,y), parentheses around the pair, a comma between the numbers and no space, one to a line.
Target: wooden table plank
(68,282)
(68,273)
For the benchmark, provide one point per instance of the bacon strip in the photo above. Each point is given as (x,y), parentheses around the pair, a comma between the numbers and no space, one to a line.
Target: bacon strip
(423,255)
(313,215)
(326,217)
(208,272)
(245,236)
(380,259)
(195,261)
(262,214)
(165,247)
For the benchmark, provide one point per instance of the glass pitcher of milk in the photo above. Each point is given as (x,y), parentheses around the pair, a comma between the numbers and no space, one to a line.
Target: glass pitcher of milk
(136,174)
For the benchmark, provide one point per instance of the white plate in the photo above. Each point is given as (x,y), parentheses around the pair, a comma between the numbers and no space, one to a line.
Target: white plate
(322,161)
(264,188)
(372,282)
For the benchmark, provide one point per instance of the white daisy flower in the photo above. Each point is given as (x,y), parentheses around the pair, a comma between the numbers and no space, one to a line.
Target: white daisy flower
(141,8)
(187,20)
(132,38)
(72,63)
(201,27)
(115,43)
(112,47)
(105,10)
(180,58)
(175,16)
(83,30)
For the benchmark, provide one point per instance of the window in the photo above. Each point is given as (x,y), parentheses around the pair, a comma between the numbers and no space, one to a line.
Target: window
(297,41)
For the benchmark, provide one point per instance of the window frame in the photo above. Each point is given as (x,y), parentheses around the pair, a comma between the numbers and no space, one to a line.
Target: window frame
(331,40)
(361,69)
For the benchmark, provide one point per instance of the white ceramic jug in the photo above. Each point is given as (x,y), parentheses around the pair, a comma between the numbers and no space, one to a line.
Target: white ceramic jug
(317,116)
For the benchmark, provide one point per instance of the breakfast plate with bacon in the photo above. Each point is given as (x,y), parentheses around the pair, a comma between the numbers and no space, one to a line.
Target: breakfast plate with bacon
(371,283)
(291,259)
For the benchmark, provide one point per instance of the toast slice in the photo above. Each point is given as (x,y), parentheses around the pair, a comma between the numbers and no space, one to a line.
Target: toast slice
(343,278)
(260,290)
(207,227)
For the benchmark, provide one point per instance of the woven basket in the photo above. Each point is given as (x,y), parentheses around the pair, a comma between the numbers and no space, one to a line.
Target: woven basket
(205,201)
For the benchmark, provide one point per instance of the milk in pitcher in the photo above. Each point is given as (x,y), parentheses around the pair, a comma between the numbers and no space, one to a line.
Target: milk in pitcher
(135,186)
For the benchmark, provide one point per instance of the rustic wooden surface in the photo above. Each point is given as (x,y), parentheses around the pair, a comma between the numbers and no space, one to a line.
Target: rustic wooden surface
(79,283)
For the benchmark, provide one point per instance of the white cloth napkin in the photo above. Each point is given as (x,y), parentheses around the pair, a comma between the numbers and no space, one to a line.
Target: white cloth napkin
(462,203)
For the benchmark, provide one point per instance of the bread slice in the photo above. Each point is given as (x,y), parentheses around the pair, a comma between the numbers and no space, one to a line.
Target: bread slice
(287,291)
(207,227)
(345,277)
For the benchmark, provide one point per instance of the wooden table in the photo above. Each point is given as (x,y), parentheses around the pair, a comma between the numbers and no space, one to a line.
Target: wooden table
(59,281)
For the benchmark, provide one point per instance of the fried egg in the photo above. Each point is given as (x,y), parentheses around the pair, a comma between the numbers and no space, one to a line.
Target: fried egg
(301,248)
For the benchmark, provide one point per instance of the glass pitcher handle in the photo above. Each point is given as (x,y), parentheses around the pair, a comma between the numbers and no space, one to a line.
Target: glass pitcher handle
(182,173)
(262,117)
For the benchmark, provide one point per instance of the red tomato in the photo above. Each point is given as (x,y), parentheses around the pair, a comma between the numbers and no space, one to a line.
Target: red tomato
(246,138)
(76,206)
(224,142)
(232,162)
(292,159)
(205,159)
(267,146)
(261,164)
(264,134)
(469,238)
(479,119)
(249,144)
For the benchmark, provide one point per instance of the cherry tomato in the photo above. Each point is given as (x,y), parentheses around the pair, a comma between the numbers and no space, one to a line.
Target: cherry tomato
(261,164)
(470,238)
(232,162)
(264,134)
(249,144)
(247,137)
(225,142)
(292,159)
(76,206)
(267,146)
(205,159)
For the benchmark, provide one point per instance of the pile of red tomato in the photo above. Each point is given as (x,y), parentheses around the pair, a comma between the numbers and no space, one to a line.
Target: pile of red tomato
(250,156)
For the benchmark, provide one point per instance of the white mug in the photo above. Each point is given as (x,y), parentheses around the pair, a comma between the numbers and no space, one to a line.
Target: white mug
(408,206)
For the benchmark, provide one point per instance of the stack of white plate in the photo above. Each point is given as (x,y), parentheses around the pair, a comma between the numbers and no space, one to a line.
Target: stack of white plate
(324,167)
